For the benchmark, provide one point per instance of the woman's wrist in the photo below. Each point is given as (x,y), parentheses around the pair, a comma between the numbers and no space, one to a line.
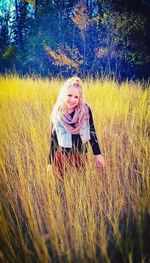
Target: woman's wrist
(100,162)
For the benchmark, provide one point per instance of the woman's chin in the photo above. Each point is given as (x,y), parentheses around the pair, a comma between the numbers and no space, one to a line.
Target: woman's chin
(71,107)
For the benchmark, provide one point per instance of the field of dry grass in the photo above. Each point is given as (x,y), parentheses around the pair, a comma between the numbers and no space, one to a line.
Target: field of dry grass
(92,216)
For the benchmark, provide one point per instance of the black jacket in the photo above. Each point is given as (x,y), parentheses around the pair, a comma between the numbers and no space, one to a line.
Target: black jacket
(77,145)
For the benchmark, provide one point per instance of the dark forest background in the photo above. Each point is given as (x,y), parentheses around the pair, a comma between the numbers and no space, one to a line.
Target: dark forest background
(65,37)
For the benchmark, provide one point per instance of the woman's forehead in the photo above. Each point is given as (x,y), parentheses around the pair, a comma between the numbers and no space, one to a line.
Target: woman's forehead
(73,90)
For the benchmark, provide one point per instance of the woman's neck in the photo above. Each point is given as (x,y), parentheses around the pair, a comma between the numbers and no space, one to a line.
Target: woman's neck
(70,111)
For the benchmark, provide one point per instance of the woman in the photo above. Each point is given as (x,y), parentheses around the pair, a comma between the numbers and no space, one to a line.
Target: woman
(73,128)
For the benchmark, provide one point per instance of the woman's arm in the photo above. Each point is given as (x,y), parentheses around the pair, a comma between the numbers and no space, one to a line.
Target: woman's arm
(100,162)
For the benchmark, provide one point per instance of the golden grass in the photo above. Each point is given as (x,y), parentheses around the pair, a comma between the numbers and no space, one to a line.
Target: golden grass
(84,217)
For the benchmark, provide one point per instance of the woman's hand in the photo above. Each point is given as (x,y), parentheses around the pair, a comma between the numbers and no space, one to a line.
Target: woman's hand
(100,162)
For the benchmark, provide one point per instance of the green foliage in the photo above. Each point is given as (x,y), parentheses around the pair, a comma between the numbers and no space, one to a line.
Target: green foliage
(9,53)
(104,18)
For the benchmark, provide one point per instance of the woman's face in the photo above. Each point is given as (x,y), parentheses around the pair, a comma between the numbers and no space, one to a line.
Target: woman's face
(72,98)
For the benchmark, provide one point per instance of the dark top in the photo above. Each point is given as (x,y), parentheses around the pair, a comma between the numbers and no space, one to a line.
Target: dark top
(77,145)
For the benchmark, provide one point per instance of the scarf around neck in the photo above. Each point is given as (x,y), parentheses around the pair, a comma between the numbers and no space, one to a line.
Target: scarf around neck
(77,120)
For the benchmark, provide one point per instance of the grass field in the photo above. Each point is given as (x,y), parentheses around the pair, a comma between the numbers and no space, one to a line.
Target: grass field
(93,216)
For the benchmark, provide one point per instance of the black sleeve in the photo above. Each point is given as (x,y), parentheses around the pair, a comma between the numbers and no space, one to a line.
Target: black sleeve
(93,141)
(52,147)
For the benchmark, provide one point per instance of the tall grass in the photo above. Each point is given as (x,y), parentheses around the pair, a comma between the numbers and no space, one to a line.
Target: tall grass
(94,216)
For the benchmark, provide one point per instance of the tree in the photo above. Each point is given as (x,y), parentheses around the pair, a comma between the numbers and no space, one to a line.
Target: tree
(84,37)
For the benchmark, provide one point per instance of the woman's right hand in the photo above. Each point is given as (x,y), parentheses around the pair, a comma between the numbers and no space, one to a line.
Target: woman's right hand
(100,162)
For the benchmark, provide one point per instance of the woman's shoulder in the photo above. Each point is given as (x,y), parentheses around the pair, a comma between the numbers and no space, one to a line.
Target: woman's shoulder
(89,111)
(88,107)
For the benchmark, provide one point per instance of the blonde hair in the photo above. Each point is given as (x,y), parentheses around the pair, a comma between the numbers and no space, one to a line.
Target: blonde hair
(60,107)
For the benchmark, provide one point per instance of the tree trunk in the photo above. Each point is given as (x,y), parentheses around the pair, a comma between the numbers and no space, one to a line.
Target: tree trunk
(19,40)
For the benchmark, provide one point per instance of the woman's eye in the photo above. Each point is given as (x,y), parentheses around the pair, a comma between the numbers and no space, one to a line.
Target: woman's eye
(69,95)
(76,97)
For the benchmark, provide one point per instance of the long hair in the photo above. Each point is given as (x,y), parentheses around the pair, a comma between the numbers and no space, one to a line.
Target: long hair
(60,109)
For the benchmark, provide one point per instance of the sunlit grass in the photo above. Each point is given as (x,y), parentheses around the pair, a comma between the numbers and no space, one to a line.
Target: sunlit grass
(92,216)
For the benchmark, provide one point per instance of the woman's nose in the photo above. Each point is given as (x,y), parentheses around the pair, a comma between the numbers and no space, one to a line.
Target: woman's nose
(72,99)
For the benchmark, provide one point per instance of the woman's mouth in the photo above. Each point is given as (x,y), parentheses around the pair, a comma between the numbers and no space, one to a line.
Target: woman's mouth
(71,104)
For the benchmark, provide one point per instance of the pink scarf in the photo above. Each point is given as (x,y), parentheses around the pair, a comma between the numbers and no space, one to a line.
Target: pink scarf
(78,118)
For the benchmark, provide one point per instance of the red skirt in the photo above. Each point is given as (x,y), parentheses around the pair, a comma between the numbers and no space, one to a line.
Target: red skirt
(66,161)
